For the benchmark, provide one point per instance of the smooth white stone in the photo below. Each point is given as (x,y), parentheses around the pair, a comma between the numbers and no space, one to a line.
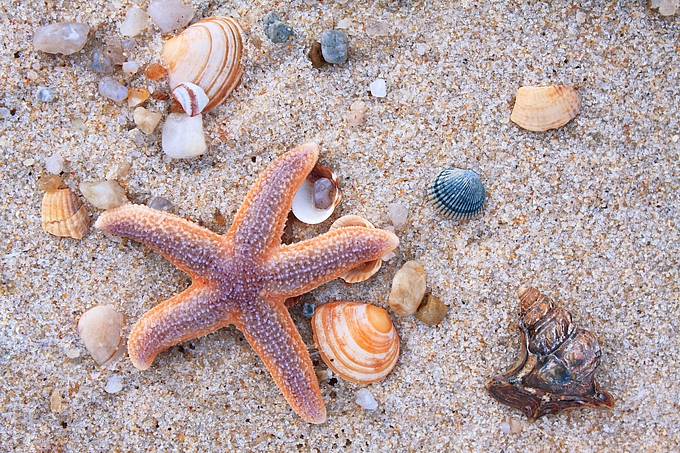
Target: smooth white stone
(183,136)
(65,38)
(103,194)
(378,88)
(170,15)
(55,163)
(365,399)
(136,21)
(115,384)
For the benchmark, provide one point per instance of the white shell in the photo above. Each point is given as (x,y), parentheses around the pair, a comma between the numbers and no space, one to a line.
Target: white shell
(100,330)
(303,203)
(191,97)
(207,54)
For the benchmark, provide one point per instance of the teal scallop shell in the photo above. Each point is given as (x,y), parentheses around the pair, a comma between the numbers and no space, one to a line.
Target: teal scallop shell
(458,193)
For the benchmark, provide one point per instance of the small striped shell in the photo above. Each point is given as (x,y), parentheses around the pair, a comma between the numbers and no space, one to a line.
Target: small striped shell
(363,271)
(207,54)
(63,214)
(458,193)
(357,341)
(543,108)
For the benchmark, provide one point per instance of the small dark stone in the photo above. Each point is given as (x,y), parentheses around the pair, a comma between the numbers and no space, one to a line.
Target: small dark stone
(316,55)
(308,309)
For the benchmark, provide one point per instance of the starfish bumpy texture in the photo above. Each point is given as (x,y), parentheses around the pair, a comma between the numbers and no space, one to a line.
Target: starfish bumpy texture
(245,276)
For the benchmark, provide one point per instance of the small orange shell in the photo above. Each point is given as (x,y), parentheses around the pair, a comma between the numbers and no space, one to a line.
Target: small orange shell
(542,108)
(357,341)
(363,271)
(63,214)
(208,54)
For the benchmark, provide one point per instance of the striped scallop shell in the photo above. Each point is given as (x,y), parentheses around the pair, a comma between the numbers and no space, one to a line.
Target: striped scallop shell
(357,341)
(63,214)
(207,54)
(365,270)
(458,193)
(542,108)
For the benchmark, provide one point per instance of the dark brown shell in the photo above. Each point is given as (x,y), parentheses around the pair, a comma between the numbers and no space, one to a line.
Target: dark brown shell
(556,369)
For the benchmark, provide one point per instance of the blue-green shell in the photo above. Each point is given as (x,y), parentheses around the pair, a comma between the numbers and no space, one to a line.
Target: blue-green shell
(458,193)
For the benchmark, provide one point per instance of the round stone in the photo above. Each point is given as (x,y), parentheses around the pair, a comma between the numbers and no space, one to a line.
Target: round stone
(334,46)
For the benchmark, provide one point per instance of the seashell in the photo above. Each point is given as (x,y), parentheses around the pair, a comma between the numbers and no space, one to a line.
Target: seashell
(207,54)
(458,193)
(363,271)
(63,214)
(357,341)
(100,330)
(191,97)
(556,369)
(317,196)
(542,108)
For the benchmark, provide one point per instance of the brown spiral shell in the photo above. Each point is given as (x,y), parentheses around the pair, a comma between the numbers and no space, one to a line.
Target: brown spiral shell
(557,366)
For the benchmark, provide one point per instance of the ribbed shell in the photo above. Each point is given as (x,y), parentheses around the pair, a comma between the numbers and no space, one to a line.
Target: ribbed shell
(207,54)
(63,214)
(543,108)
(357,341)
(458,193)
(364,271)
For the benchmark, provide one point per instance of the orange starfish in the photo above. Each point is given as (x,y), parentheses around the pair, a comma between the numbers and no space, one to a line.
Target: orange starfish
(244,277)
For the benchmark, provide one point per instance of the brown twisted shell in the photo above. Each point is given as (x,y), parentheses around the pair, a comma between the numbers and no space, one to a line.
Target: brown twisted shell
(557,367)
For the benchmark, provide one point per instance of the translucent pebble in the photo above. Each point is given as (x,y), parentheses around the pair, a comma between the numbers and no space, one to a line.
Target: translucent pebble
(100,63)
(276,30)
(308,309)
(378,88)
(161,204)
(365,399)
(48,183)
(114,51)
(136,96)
(112,89)
(130,67)
(377,28)
(129,43)
(114,384)
(4,113)
(79,125)
(668,7)
(505,428)
(146,120)
(65,38)
(54,164)
(334,46)
(432,311)
(103,194)
(398,214)
(357,114)
(45,94)
(100,330)
(183,136)
(55,401)
(422,48)
(408,288)
(170,15)
(344,24)
(73,353)
(136,21)
(324,193)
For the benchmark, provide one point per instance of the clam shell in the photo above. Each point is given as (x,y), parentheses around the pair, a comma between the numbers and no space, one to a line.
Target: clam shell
(357,341)
(363,271)
(207,54)
(543,108)
(458,193)
(63,214)
(100,329)
(304,202)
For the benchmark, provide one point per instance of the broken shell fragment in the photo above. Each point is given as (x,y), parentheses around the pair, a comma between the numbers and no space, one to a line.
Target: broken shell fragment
(100,330)
(543,108)
(207,54)
(357,341)
(458,193)
(557,365)
(408,288)
(191,97)
(317,196)
(63,214)
(365,270)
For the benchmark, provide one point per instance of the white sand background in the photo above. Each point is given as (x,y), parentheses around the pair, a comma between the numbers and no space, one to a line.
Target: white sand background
(587,213)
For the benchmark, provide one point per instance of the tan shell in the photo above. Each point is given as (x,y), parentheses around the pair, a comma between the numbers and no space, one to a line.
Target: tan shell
(207,54)
(63,214)
(100,329)
(366,270)
(357,341)
(543,108)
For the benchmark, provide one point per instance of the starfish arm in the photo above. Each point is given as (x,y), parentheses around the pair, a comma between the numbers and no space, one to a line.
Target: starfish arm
(269,329)
(193,313)
(297,268)
(188,246)
(259,222)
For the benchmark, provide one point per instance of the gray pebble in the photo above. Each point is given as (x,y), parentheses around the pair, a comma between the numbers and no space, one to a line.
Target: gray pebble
(45,94)
(334,46)
(276,30)
(112,89)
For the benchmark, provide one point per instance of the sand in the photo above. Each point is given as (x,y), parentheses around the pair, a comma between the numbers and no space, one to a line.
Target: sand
(587,213)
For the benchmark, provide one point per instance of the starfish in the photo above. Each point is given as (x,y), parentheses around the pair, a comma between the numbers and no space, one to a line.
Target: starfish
(245,276)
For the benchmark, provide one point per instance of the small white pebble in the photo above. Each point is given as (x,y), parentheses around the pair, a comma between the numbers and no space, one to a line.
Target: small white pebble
(365,399)
(378,88)
(398,214)
(170,15)
(29,162)
(103,194)
(505,428)
(183,136)
(344,24)
(675,138)
(422,48)
(73,353)
(115,384)
(54,164)
(580,17)
(376,28)
(4,112)
(130,67)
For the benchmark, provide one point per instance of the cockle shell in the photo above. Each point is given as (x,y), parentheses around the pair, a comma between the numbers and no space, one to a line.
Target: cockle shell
(357,341)
(207,54)
(63,214)
(542,108)
(363,271)
(556,369)
(458,193)
(317,196)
